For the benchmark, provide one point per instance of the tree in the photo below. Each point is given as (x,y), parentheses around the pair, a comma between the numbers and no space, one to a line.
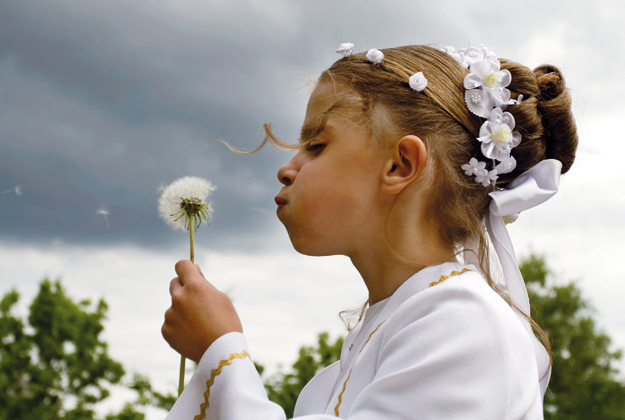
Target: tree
(284,388)
(56,366)
(584,382)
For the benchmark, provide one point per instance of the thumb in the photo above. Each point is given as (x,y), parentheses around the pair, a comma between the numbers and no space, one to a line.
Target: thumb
(200,271)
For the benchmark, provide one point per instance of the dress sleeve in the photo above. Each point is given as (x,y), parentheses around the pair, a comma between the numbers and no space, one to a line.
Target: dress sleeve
(226,386)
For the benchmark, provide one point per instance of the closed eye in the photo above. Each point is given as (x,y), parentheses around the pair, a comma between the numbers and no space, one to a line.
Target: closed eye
(315,147)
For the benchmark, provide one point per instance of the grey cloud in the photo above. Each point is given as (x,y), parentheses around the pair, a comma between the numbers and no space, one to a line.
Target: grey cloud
(101,102)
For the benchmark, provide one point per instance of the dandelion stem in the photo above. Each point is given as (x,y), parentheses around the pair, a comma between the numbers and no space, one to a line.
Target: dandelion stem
(182,359)
(181,379)
(191,239)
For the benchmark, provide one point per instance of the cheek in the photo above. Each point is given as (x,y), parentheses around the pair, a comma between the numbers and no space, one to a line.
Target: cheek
(330,203)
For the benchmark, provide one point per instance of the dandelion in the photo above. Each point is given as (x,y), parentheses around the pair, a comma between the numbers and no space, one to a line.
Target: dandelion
(17,190)
(105,215)
(183,206)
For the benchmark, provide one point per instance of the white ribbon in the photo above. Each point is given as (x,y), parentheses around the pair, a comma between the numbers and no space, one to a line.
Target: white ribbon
(530,189)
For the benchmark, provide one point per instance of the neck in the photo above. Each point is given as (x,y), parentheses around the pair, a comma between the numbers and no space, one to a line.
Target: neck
(383,270)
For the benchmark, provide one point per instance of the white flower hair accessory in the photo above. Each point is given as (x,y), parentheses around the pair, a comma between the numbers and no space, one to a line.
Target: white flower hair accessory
(487,97)
(478,169)
(497,136)
(457,55)
(346,49)
(375,56)
(418,81)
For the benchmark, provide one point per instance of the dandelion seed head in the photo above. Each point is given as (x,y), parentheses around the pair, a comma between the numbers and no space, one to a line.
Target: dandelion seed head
(183,196)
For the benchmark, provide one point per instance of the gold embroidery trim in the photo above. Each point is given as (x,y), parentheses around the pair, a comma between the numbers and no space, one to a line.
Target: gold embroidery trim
(376,328)
(210,382)
(336,409)
(453,273)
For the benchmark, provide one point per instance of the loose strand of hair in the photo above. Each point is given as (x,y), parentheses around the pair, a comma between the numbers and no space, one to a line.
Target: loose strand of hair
(269,138)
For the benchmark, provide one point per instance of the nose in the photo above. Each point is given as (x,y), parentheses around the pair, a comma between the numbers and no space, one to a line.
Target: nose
(287,172)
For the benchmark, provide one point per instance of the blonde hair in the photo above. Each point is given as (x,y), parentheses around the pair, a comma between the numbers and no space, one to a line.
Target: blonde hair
(380,99)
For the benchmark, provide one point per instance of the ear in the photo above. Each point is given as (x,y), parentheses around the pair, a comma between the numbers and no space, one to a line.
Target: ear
(407,161)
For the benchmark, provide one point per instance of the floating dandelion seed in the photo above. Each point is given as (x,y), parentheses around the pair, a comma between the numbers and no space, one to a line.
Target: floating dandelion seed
(104,214)
(17,190)
(183,206)
(57,243)
(263,211)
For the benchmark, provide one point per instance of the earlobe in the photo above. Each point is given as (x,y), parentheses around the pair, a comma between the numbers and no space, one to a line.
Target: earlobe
(406,163)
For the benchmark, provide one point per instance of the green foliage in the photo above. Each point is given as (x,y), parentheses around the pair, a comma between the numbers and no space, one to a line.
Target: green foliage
(56,367)
(584,382)
(127,413)
(284,388)
(149,397)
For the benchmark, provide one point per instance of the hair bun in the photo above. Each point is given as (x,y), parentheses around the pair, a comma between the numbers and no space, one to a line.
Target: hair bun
(554,107)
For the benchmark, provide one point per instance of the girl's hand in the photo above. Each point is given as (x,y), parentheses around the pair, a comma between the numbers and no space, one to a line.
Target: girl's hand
(199,313)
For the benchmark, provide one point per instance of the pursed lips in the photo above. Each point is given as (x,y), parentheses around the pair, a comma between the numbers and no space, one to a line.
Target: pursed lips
(281,202)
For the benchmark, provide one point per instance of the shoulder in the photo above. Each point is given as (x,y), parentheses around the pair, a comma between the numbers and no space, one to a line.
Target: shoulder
(462,303)
(463,327)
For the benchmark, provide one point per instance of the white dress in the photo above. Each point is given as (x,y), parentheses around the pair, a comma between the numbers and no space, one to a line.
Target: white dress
(443,346)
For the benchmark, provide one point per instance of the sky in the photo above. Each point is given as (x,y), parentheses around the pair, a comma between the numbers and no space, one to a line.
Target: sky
(104,102)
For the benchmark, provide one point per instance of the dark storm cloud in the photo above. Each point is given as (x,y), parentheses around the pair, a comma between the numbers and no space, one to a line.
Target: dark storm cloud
(102,102)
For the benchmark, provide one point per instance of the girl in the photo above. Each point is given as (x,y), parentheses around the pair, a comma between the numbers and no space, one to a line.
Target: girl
(409,159)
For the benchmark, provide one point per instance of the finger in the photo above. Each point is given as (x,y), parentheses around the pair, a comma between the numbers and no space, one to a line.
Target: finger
(174,285)
(197,266)
(185,270)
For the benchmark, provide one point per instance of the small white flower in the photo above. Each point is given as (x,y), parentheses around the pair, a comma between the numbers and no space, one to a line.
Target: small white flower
(487,74)
(185,199)
(474,168)
(479,102)
(472,55)
(375,56)
(482,175)
(486,177)
(497,136)
(506,166)
(457,55)
(346,49)
(510,218)
(418,82)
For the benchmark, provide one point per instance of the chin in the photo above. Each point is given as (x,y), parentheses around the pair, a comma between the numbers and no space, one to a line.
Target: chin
(312,250)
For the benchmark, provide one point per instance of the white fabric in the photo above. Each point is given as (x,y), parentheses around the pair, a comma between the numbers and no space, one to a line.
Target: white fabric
(528,190)
(455,350)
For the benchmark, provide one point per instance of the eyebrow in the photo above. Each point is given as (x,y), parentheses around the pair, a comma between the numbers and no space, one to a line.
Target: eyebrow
(314,127)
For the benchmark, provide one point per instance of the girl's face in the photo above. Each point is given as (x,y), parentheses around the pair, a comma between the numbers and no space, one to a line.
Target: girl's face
(331,200)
